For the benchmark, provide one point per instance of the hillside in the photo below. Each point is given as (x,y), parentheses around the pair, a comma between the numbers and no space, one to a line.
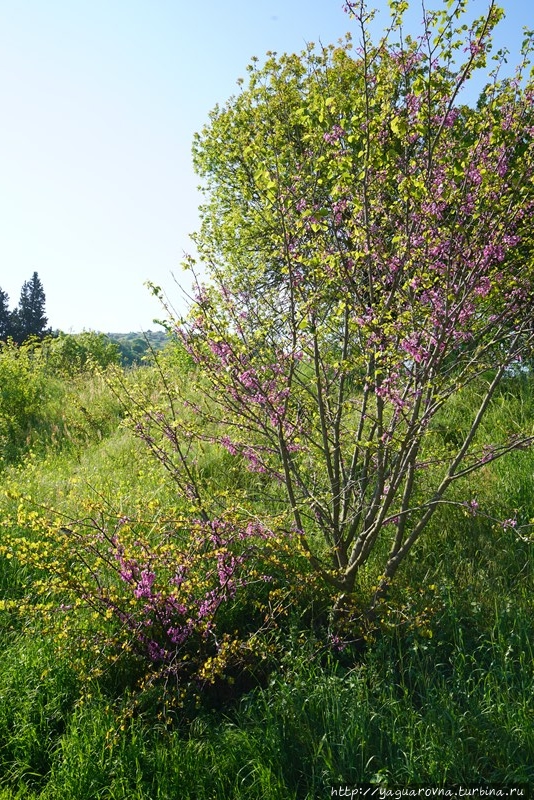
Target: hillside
(137,345)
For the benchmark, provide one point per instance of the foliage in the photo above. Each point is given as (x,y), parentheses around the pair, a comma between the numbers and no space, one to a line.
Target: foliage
(40,410)
(23,392)
(369,255)
(72,354)
(186,605)
(138,348)
(395,719)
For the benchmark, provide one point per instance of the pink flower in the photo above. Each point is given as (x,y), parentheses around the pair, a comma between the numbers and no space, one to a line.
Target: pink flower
(144,587)
(472,507)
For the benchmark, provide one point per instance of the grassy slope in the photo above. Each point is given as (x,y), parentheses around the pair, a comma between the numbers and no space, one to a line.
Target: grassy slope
(442,695)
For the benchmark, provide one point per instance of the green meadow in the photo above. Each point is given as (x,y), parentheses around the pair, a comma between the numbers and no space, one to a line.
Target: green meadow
(438,691)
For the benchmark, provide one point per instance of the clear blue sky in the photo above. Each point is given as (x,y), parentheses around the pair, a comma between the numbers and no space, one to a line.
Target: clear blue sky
(99,101)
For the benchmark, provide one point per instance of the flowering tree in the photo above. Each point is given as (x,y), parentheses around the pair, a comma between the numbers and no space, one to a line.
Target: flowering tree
(366,239)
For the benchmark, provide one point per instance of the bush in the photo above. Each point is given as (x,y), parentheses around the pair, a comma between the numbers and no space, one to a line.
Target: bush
(24,393)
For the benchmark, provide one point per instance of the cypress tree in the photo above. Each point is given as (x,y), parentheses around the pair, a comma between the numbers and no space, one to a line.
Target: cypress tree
(29,318)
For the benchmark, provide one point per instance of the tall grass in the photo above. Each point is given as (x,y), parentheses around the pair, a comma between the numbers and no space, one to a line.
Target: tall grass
(406,714)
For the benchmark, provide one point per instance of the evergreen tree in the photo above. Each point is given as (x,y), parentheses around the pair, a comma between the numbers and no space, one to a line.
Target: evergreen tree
(5,316)
(29,319)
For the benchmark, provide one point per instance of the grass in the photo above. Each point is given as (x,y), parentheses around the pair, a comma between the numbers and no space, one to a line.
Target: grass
(441,693)
(408,713)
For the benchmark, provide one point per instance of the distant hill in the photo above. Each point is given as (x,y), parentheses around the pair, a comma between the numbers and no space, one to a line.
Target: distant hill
(137,345)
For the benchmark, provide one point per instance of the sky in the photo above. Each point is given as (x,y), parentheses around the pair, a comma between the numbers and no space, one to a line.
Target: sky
(99,101)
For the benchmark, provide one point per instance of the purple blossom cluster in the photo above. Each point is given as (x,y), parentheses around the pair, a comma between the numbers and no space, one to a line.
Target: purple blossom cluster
(180,602)
(334,135)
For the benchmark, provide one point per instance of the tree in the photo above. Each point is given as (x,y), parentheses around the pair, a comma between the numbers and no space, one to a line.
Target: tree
(369,256)
(29,318)
(74,354)
(367,241)
(5,316)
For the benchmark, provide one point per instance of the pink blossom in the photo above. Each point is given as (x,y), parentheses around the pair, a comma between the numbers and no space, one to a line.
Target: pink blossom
(509,523)
(472,507)
(144,586)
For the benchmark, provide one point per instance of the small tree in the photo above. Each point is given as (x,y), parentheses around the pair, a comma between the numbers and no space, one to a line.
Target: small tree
(367,241)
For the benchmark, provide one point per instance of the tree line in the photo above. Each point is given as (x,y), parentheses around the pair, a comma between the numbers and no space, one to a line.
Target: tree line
(28,321)
(28,318)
